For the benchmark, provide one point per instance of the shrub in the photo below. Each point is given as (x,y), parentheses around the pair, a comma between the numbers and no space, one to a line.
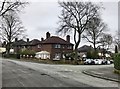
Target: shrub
(27,52)
(69,56)
(9,56)
(92,54)
(117,61)
(89,54)
(117,71)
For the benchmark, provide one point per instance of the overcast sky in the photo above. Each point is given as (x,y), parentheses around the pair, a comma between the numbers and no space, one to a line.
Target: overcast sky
(40,17)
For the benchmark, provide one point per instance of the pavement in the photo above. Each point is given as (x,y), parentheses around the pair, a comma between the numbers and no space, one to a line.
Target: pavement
(104,73)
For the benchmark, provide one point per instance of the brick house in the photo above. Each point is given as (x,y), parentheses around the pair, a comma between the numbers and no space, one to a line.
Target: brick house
(32,45)
(55,45)
(82,51)
(17,45)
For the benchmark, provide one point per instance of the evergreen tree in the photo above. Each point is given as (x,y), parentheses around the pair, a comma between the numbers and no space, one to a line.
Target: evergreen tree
(116,49)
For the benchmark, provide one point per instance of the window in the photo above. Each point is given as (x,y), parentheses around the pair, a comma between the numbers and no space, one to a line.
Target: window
(57,56)
(39,46)
(69,47)
(57,46)
(63,46)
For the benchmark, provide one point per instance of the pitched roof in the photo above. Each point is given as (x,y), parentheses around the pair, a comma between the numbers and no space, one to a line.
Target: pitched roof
(19,43)
(50,40)
(55,40)
(32,42)
(85,48)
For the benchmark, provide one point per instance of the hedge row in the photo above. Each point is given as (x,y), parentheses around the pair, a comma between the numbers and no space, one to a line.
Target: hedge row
(117,61)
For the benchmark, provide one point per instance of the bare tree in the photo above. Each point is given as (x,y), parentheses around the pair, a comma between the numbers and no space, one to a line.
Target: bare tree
(11,5)
(75,17)
(95,30)
(105,42)
(108,40)
(11,28)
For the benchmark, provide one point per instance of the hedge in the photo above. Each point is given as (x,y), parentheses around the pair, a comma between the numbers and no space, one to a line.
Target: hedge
(10,55)
(117,61)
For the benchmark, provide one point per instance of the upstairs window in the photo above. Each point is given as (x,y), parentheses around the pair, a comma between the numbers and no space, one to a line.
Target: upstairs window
(69,47)
(57,46)
(39,46)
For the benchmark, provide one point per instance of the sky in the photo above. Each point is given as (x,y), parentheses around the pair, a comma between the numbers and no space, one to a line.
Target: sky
(42,16)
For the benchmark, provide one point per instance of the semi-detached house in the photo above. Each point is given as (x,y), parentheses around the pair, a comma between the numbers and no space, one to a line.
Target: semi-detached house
(55,45)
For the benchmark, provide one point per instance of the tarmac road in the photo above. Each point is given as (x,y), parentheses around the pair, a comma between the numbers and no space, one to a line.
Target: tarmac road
(27,74)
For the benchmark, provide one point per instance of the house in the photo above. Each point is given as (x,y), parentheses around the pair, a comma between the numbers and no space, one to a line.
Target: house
(33,45)
(82,51)
(55,45)
(17,45)
(104,53)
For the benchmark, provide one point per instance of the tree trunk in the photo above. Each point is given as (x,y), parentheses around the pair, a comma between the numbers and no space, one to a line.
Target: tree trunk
(76,57)
(8,49)
(94,43)
(76,48)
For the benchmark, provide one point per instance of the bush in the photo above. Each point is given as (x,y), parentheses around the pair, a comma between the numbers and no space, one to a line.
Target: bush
(117,61)
(117,71)
(92,54)
(9,56)
(27,53)
(69,56)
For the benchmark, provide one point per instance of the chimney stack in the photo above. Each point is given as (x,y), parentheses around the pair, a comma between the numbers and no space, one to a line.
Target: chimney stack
(27,39)
(16,39)
(47,35)
(68,38)
(42,39)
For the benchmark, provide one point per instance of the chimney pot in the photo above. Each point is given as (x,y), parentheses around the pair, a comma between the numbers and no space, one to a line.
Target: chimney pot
(27,39)
(42,39)
(47,35)
(68,38)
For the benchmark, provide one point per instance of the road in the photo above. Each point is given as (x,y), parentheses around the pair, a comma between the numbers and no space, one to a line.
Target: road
(28,74)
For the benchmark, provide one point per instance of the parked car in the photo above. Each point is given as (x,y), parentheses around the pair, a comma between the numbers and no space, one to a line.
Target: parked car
(89,61)
(108,62)
(98,61)
(111,61)
(105,61)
